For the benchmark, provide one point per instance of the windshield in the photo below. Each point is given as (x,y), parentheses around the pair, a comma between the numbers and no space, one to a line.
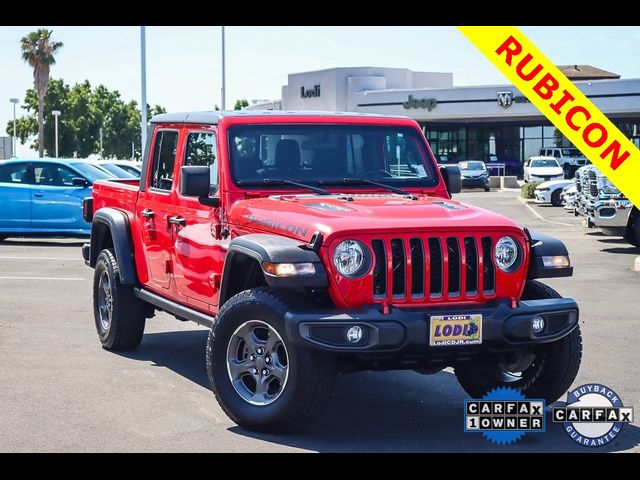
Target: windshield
(472,166)
(92,172)
(327,154)
(118,171)
(544,163)
(571,152)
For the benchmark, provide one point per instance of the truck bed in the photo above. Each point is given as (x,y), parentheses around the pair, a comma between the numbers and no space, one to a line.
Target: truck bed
(116,193)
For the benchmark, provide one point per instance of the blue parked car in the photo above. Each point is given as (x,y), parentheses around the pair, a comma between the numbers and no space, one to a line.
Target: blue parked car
(44,196)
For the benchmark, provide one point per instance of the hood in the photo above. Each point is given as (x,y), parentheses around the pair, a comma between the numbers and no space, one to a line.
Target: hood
(299,216)
(555,184)
(545,171)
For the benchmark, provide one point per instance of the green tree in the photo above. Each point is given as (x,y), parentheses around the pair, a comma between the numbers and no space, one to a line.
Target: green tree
(85,110)
(240,104)
(38,50)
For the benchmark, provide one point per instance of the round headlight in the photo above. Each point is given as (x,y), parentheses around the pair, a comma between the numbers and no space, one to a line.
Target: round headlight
(349,258)
(506,253)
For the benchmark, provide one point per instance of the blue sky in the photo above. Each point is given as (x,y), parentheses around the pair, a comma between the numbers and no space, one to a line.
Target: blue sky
(183,63)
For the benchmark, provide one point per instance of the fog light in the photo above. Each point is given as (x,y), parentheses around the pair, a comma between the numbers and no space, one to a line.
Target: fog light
(354,334)
(538,324)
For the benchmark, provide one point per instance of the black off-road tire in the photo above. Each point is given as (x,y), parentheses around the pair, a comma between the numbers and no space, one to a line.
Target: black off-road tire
(633,231)
(126,328)
(310,379)
(556,201)
(554,370)
(487,189)
(567,170)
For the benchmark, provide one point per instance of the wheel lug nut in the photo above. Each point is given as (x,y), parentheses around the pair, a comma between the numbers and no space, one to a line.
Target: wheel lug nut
(255,371)
(252,357)
(267,360)
(260,351)
(265,371)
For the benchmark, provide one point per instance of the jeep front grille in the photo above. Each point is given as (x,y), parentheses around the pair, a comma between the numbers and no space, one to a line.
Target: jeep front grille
(593,183)
(433,268)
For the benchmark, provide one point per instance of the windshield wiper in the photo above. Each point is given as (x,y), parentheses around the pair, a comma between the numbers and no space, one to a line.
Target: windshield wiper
(273,181)
(364,181)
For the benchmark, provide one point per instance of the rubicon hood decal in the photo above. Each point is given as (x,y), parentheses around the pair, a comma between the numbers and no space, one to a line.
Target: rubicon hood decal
(301,215)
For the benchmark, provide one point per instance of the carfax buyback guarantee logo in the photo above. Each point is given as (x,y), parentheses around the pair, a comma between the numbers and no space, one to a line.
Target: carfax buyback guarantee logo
(594,415)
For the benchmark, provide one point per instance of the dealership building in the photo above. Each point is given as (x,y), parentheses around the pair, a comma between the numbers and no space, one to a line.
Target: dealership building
(493,122)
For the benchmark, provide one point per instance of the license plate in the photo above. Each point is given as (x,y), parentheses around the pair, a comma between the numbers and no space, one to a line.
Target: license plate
(455,330)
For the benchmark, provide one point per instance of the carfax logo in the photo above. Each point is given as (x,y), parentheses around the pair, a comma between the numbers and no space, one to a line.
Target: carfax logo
(594,415)
(504,415)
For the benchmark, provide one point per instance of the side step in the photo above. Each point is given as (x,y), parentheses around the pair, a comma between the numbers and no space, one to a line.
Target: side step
(174,308)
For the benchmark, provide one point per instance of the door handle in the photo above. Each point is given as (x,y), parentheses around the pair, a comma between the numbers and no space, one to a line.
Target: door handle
(178,221)
(146,213)
(38,195)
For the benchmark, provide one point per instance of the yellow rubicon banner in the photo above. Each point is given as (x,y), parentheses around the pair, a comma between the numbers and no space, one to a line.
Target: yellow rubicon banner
(562,103)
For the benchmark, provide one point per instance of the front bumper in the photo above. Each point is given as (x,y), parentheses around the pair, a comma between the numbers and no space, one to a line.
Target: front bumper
(406,331)
(612,216)
(475,182)
(545,178)
(542,197)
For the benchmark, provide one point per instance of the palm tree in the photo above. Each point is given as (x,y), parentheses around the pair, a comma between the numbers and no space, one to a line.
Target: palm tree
(38,50)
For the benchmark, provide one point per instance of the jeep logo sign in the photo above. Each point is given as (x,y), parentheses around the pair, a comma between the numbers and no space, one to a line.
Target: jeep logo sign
(428,103)
(310,92)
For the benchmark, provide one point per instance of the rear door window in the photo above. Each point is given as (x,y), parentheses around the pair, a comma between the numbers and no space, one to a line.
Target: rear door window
(164,159)
(14,173)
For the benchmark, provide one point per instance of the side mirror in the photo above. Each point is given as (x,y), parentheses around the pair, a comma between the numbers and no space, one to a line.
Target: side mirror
(194,182)
(452,178)
(80,182)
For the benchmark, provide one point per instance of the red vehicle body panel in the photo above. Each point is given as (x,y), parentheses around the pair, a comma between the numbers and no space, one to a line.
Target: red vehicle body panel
(185,263)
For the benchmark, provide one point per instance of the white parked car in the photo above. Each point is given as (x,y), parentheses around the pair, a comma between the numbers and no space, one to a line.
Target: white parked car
(549,192)
(542,169)
(569,197)
(134,169)
(570,159)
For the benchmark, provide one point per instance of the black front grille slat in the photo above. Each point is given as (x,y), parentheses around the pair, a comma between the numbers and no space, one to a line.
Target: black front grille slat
(379,269)
(435,272)
(488,269)
(453,268)
(398,265)
(471,260)
(417,267)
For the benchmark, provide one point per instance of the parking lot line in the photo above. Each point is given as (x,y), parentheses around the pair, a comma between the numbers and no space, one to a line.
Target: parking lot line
(541,217)
(6,257)
(75,279)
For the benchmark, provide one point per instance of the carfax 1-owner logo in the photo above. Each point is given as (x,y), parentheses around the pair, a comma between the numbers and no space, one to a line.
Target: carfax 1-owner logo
(504,415)
(593,416)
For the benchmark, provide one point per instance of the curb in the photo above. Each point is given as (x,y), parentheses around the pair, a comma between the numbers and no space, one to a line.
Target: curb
(636,265)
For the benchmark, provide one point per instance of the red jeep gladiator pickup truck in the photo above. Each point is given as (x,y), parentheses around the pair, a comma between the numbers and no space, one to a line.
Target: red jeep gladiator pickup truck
(316,243)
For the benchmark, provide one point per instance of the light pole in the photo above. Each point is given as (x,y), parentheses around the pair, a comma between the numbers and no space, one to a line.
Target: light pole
(100,143)
(143,78)
(15,101)
(56,114)
(223,93)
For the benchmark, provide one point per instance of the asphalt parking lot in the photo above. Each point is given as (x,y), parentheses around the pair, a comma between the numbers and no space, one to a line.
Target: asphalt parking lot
(59,391)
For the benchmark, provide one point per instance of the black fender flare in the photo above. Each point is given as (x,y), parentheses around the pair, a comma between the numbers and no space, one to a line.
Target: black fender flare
(117,223)
(273,249)
(546,246)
